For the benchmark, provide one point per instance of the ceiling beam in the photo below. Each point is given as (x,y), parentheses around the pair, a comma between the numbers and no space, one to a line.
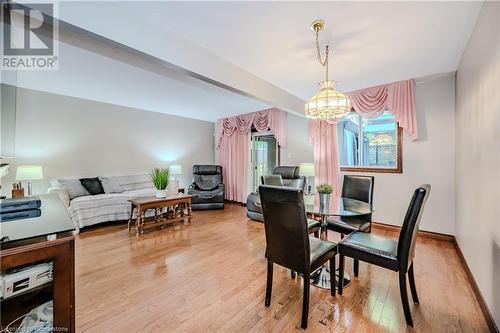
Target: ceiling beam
(122,30)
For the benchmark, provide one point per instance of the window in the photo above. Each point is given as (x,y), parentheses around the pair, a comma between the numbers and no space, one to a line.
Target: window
(370,145)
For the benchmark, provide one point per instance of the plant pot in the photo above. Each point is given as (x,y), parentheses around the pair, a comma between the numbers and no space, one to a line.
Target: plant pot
(324,201)
(161,193)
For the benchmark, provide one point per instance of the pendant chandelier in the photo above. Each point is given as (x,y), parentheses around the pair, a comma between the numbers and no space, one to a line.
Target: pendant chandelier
(328,103)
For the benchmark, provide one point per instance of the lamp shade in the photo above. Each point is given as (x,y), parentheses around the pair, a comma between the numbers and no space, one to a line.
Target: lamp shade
(306,169)
(29,172)
(4,169)
(176,169)
(328,103)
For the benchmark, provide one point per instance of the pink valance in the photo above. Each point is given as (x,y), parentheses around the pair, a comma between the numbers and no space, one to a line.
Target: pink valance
(397,97)
(270,119)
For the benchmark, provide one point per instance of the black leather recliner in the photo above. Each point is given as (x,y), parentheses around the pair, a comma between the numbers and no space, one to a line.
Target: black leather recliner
(207,188)
(290,177)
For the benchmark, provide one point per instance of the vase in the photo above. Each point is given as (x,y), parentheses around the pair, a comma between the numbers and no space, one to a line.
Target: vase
(324,201)
(161,193)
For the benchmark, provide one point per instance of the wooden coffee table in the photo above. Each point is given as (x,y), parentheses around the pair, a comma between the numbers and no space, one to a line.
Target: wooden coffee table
(173,208)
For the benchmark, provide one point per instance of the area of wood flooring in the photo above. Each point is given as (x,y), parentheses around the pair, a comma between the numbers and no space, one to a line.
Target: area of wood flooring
(209,276)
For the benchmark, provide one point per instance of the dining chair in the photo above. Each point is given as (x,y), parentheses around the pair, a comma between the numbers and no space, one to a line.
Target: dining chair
(314,226)
(389,253)
(287,240)
(358,188)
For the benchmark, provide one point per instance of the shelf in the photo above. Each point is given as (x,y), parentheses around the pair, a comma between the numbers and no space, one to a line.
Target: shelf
(20,304)
(29,291)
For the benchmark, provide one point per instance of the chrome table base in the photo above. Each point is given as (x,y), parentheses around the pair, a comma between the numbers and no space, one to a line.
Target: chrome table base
(321,278)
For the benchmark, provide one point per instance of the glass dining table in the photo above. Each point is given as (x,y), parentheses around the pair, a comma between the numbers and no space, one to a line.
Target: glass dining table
(339,207)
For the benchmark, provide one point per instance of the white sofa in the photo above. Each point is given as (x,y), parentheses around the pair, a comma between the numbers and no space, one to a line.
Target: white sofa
(89,209)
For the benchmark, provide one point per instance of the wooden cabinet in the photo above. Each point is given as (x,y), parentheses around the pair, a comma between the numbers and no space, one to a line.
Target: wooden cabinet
(37,263)
(61,253)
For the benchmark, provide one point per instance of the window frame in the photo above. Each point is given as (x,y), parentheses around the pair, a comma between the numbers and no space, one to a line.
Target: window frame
(399,163)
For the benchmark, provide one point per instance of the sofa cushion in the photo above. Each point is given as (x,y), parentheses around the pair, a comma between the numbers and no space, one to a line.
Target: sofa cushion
(207,169)
(74,188)
(212,196)
(92,209)
(143,193)
(92,185)
(206,182)
(135,182)
(110,185)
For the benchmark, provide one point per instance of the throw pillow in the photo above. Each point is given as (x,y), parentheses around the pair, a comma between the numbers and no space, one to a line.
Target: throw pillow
(73,186)
(110,185)
(92,185)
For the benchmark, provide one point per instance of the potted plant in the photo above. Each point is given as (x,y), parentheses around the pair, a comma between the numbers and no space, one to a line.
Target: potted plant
(160,178)
(324,191)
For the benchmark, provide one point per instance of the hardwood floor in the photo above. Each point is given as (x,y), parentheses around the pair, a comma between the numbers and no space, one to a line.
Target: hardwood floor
(210,276)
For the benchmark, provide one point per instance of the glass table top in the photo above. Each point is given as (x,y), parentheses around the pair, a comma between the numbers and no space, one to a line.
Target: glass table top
(338,206)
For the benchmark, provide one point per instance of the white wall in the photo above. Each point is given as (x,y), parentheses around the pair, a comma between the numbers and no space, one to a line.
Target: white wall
(298,150)
(72,137)
(430,159)
(478,154)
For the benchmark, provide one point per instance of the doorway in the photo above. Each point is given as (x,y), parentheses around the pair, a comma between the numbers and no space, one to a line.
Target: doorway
(264,156)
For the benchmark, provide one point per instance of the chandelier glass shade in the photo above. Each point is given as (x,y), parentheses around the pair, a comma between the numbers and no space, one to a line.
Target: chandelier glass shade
(328,103)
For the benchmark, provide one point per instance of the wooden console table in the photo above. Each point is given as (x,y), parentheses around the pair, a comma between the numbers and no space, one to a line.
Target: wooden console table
(173,208)
(26,242)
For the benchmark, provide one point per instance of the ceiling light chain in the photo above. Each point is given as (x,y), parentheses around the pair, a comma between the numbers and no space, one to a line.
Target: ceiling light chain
(323,63)
(328,103)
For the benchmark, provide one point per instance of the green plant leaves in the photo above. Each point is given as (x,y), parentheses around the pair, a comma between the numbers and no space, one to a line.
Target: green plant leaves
(160,177)
(324,188)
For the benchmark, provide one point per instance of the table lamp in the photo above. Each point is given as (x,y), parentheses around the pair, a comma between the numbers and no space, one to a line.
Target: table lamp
(176,170)
(307,170)
(29,173)
(4,171)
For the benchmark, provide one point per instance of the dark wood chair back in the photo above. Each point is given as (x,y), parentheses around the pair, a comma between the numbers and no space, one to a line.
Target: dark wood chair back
(285,222)
(409,230)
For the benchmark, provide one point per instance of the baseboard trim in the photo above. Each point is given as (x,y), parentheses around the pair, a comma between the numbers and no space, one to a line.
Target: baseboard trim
(421,233)
(477,292)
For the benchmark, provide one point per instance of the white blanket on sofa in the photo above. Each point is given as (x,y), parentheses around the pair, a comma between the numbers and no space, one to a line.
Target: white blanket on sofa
(93,209)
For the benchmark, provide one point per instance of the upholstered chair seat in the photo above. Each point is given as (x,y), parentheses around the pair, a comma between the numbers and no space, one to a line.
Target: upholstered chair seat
(385,252)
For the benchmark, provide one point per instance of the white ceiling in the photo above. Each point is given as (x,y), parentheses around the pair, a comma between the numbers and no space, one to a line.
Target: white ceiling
(261,49)
(89,75)
(373,42)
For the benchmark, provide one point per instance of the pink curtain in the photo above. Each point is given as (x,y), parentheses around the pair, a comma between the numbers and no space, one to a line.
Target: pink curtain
(232,137)
(323,137)
(397,97)
(233,156)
